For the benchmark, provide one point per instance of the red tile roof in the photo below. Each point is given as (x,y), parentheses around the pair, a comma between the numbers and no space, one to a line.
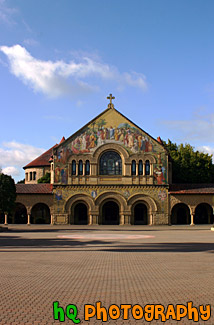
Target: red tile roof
(191,189)
(62,140)
(34,188)
(42,160)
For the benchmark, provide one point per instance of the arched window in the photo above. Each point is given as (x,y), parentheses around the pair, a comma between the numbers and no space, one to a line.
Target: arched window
(110,163)
(73,167)
(87,167)
(133,167)
(147,167)
(80,168)
(140,168)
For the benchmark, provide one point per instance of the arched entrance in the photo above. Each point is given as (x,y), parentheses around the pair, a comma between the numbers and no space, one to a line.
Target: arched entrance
(203,214)
(140,214)
(40,214)
(20,215)
(80,214)
(110,213)
(180,214)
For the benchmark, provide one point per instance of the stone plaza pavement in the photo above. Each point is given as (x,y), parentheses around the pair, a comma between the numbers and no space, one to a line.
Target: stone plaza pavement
(112,264)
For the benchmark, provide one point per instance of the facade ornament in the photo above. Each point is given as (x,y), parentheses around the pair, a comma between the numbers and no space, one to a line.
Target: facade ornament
(110,97)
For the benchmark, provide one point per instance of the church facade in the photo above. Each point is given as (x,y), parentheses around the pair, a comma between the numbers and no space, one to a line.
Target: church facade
(110,172)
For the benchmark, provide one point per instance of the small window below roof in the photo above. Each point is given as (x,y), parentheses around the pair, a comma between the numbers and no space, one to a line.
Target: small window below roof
(73,168)
(87,167)
(147,167)
(34,176)
(140,168)
(133,167)
(80,168)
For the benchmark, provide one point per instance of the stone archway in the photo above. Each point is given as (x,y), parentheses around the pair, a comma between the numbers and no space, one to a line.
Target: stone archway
(20,214)
(40,214)
(148,211)
(140,214)
(79,199)
(110,213)
(80,213)
(115,197)
(203,214)
(180,214)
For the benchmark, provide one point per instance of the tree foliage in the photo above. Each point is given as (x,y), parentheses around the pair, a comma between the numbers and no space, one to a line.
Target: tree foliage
(188,165)
(7,193)
(45,179)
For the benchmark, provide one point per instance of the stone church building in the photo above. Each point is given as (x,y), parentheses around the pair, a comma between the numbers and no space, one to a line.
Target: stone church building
(110,172)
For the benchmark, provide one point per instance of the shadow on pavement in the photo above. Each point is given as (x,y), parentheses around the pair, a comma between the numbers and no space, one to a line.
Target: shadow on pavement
(14,242)
(164,248)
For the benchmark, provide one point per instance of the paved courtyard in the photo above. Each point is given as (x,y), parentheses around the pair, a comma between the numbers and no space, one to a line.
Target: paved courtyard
(112,264)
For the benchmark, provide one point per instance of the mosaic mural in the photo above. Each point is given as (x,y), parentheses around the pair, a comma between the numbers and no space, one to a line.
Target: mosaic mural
(111,127)
(160,170)
(97,135)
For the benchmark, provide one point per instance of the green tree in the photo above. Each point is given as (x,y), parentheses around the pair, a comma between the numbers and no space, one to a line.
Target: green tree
(45,179)
(188,165)
(7,193)
(101,123)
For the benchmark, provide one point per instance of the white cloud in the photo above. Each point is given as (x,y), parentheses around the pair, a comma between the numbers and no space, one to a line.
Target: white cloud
(31,42)
(14,156)
(200,128)
(207,149)
(60,78)
(136,80)
(6,13)
(18,153)
(12,171)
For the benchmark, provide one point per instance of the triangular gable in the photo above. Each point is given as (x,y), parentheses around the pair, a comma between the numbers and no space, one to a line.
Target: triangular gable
(109,127)
(42,160)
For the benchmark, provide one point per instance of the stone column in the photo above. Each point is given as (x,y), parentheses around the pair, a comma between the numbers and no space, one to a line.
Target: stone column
(136,168)
(90,219)
(83,169)
(95,219)
(122,219)
(169,220)
(77,168)
(28,219)
(144,169)
(5,219)
(52,219)
(192,219)
(93,168)
(151,222)
(127,219)
(151,169)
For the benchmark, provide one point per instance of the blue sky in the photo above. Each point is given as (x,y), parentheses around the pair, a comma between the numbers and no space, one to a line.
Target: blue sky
(60,59)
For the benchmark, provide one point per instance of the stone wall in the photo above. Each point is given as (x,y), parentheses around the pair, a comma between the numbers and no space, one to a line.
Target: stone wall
(29,200)
(40,172)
